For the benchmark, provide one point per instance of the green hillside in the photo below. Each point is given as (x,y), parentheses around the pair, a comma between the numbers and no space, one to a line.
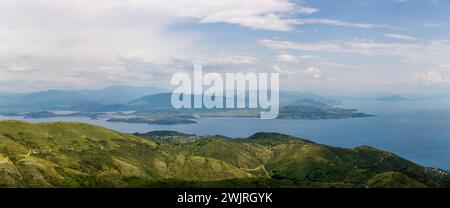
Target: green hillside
(81,155)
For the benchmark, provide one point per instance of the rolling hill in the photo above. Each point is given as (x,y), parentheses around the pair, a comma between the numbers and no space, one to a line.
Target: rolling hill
(81,155)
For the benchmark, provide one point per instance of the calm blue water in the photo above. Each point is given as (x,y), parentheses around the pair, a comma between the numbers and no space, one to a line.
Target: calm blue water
(417,130)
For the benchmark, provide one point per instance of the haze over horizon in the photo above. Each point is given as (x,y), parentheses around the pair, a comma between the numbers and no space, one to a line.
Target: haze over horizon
(345,47)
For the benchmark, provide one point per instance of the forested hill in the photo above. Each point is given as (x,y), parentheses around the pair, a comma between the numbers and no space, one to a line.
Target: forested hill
(81,155)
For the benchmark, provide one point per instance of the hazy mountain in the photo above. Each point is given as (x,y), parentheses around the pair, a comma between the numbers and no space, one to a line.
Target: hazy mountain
(393,98)
(289,98)
(293,105)
(115,98)
(313,109)
(82,155)
(311,103)
(151,102)
(163,100)
(65,99)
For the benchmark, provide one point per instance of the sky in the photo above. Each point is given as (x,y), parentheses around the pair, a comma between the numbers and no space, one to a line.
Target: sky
(324,46)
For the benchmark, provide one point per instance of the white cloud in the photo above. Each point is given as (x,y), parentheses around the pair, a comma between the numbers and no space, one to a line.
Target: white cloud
(431,77)
(387,65)
(308,57)
(287,58)
(284,57)
(256,14)
(308,10)
(445,66)
(314,72)
(283,71)
(84,43)
(434,24)
(432,51)
(399,37)
(334,22)
(213,59)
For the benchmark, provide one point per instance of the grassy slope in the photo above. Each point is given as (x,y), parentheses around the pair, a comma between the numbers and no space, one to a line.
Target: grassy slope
(81,155)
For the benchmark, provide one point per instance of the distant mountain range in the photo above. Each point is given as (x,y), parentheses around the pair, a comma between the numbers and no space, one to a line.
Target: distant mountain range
(81,155)
(162,100)
(68,99)
(156,108)
(393,98)
(115,98)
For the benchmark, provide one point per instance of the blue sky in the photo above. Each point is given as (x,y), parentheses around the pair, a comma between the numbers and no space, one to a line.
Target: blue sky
(324,46)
